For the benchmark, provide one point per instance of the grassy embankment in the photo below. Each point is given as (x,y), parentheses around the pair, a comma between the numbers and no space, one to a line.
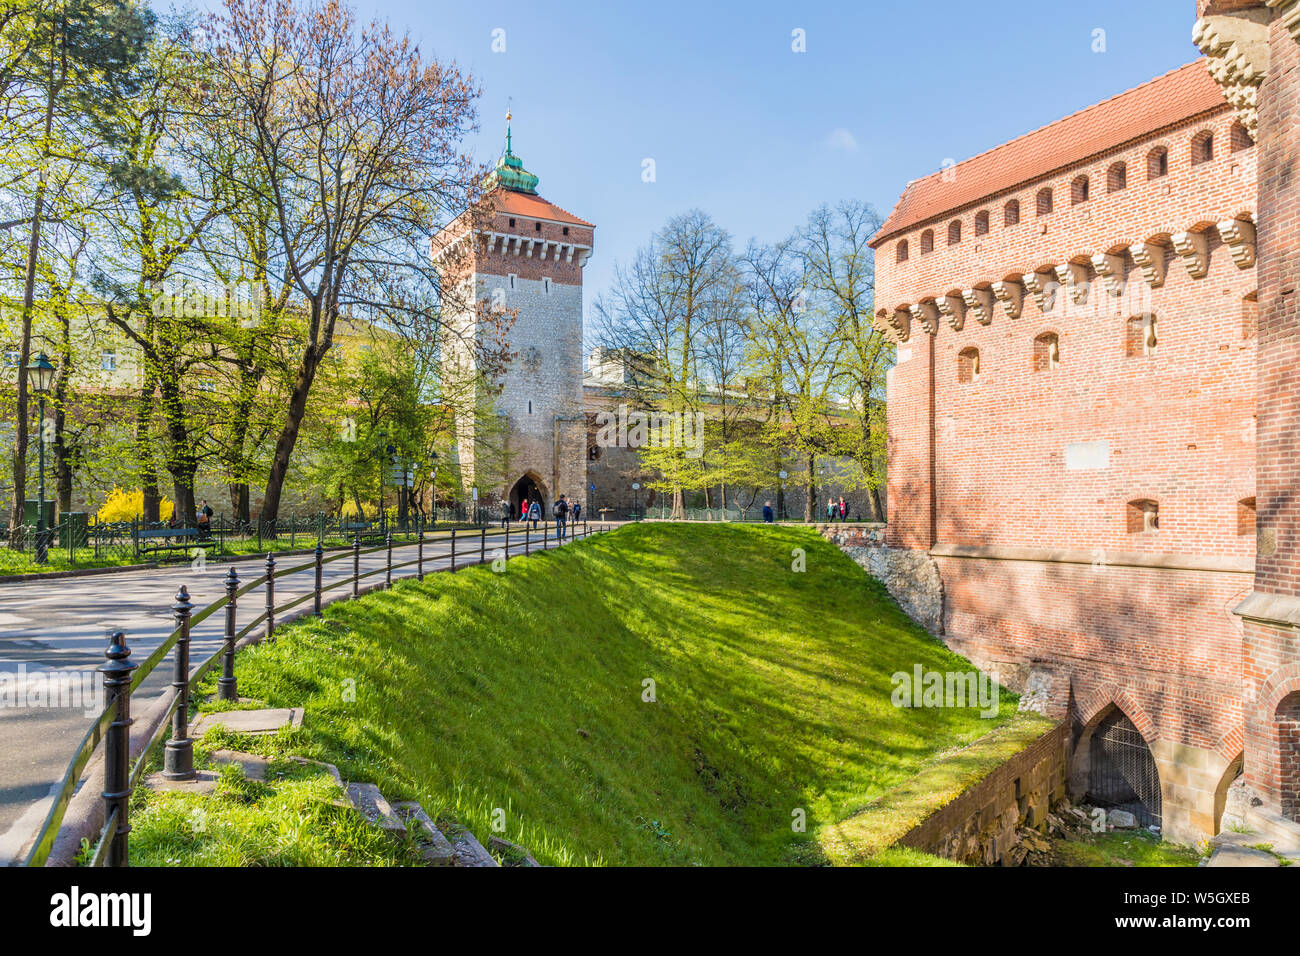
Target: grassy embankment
(525,691)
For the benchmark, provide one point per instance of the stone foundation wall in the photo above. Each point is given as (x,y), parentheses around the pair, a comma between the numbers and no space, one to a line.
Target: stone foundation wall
(911,576)
(980,825)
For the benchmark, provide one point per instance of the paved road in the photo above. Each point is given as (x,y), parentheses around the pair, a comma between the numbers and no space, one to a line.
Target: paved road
(60,626)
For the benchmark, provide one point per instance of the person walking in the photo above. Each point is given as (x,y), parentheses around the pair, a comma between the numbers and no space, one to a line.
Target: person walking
(523,510)
(535,513)
(768,516)
(561,510)
(205,521)
(505,513)
(830,509)
(844,510)
(577,512)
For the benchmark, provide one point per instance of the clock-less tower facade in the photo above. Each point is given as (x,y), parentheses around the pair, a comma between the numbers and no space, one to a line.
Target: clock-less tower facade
(520,254)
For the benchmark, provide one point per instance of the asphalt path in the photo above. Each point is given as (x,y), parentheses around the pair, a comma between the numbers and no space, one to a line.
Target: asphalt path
(53,635)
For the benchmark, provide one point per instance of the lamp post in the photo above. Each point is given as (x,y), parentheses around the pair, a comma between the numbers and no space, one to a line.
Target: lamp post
(40,378)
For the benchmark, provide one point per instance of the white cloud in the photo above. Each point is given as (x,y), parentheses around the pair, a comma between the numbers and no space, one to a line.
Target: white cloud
(841,138)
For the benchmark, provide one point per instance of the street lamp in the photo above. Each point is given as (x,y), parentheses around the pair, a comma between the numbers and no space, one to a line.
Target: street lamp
(40,379)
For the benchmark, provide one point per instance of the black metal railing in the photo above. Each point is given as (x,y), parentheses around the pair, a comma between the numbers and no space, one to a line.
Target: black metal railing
(122,677)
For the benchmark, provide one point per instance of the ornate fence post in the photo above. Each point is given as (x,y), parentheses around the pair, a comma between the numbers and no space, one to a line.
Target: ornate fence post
(419,552)
(388,575)
(270,595)
(226,688)
(178,755)
(453,550)
(356,562)
(117,746)
(320,560)
(482,545)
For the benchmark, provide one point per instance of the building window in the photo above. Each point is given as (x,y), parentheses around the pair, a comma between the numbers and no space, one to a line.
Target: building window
(565,230)
(1249,315)
(510,281)
(1116,177)
(1011,213)
(512,223)
(900,252)
(968,366)
(1045,201)
(927,241)
(1142,516)
(1240,137)
(1047,352)
(1141,336)
(537,227)
(1079,190)
(981,222)
(1157,163)
(11,358)
(593,453)
(206,385)
(546,286)
(954,232)
(108,360)
(1202,147)
(530,406)
(1246,516)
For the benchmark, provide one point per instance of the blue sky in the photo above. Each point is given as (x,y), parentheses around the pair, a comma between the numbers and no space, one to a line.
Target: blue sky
(755,134)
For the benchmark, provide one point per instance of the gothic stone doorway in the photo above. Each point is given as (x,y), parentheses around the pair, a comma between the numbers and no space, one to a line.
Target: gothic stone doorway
(526,487)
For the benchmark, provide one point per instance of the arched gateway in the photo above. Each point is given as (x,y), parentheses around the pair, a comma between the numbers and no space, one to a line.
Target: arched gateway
(527,487)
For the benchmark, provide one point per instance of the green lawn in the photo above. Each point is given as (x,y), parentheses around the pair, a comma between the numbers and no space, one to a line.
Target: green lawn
(522,692)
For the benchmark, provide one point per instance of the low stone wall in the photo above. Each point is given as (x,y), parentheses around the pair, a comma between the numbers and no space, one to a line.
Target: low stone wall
(911,577)
(980,825)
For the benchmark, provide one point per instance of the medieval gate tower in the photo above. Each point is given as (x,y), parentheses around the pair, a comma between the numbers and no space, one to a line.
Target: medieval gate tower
(520,254)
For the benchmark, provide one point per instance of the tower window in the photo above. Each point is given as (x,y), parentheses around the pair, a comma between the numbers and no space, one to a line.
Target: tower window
(927,241)
(1142,516)
(546,286)
(900,252)
(530,406)
(1240,137)
(1011,213)
(954,232)
(512,223)
(593,453)
(565,231)
(1141,336)
(1202,147)
(108,360)
(1246,516)
(537,227)
(981,222)
(968,366)
(1079,190)
(1249,315)
(510,281)
(1045,201)
(1116,177)
(1047,352)
(1157,163)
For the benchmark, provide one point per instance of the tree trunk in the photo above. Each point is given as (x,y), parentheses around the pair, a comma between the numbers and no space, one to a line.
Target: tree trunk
(810,503)
(289,434)
(877,508)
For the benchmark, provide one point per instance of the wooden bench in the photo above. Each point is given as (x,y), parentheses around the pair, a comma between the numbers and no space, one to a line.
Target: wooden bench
(172,539)
(365,532)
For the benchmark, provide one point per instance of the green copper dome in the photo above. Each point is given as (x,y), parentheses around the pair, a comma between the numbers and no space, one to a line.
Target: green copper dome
(510,172)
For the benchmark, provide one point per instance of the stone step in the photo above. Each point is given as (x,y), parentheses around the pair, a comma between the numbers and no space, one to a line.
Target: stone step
(340,800)
(1230,854)
(467,850)
(370,803)
(264,721)
(512,853)
(1274,829)
(253,765)
(435,850)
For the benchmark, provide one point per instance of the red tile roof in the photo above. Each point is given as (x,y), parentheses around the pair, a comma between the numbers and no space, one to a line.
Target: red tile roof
(1178,95)
(523,204)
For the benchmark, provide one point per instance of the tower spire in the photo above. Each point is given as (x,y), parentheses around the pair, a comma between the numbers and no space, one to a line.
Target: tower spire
(510,172)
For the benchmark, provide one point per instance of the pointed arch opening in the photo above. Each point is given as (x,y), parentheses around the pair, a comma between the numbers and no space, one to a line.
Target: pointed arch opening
(1122,772)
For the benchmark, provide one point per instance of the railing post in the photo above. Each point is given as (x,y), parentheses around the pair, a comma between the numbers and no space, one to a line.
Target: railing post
(117,746)
(453,550)
(528,539)
(356,562)
(388,575)
(545,534)
(226,688)
(270,595)
(506,552)
(320,560)
(482,545)
(178,754)
(419,553)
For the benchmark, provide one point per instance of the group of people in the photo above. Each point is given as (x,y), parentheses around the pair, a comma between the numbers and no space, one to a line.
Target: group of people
(837,510)
(532,511)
